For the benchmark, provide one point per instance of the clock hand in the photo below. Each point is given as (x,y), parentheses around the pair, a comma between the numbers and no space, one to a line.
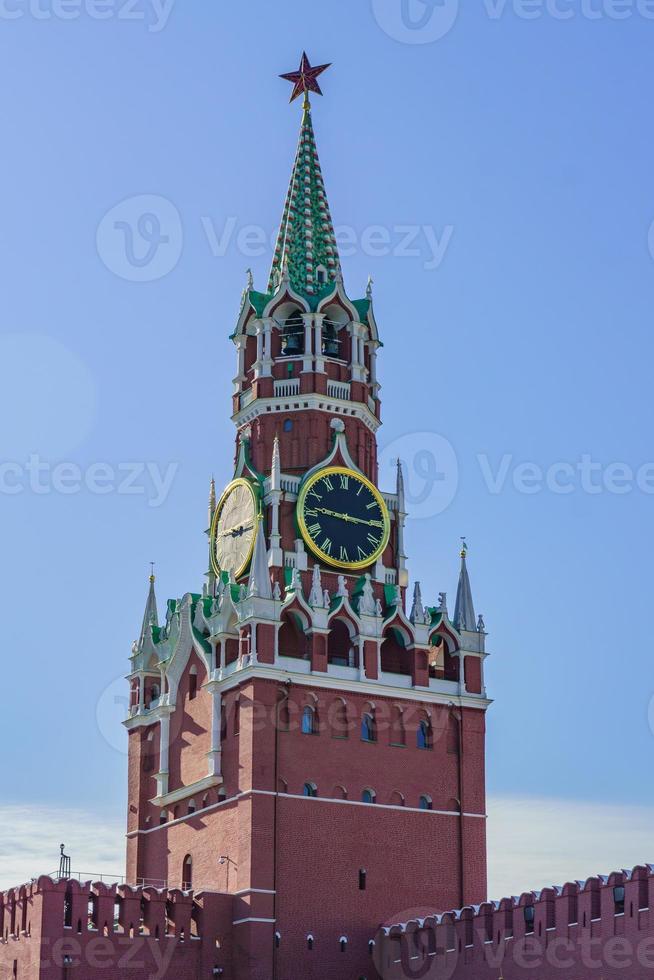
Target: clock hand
(235,531)
(348,517)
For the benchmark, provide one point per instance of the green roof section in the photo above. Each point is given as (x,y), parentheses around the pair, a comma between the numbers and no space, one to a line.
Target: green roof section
(306,245)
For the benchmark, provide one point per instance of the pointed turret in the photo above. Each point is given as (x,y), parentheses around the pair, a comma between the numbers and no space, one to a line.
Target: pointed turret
(259,581)
(151,616)
(306,252)
(464,610)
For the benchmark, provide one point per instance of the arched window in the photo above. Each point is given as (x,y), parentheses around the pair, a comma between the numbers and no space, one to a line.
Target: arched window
(187,873)
(309,721)
(321,275)
(222,794)
(397,799)
(309,941)
(68,909)
(368,733)
(368,796)
(163,818)
(330,343)
(191,806)
(343,943)
(293,335)
(193,684)
(425,802)
(423,735)
(278,939)
(310,789)
(288,425)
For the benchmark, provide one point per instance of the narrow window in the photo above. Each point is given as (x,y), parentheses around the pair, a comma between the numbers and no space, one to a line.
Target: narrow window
(368,796)
(310,789)
(368,728)
(618,899)
(530,916)
(193,684)
(424,735)
(163,818)
(288,425)
(191,806)
(343,943)
(425,803)
(237,717)
(309,942)
(187,873)
(68,909)
(278,939)
(308,721)
(363,874)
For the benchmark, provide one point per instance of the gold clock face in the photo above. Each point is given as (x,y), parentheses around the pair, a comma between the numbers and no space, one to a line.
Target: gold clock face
(233,529)
(343,518)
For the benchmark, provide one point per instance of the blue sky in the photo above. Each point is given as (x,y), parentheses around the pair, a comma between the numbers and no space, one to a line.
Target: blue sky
(510,156)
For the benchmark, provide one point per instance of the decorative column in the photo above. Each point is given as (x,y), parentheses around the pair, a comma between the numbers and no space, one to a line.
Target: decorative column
(258,362)
(320,360)
(357,366)
(240,342)
(307,362)
(164,743)
(275,555)
(266,363)
(216,722)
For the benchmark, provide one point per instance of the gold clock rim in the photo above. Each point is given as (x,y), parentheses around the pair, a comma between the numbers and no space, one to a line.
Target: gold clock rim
(239,482)
(353,566)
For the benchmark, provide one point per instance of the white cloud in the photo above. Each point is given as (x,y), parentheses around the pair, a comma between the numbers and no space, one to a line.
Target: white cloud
(30,837)
(533,843)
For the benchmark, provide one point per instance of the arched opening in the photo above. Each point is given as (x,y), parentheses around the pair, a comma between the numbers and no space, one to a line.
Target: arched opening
(331,345)
(293,335)
(339,793)
(187,873)
(292,640)
(309,721)
(368,796)
(340,651)
(394,659)
(92,912)
(397,799)
(368,728)
(163,818)
(193,684)
(424,735)
(192,806)
(425,802)
(310,789)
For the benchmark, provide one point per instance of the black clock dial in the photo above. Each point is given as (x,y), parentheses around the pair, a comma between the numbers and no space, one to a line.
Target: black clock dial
(343,518)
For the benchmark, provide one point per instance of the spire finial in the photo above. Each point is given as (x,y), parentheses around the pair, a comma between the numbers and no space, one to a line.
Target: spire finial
(464,547)
(151,572)
(369,287)
(305,80)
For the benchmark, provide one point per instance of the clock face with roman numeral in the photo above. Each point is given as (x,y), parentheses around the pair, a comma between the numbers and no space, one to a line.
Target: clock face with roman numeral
(343,518)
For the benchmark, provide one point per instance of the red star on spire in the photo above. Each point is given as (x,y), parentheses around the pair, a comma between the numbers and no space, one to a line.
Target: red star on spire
(306,78)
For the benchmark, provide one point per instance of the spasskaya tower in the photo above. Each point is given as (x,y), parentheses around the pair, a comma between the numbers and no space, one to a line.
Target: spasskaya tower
(301,736)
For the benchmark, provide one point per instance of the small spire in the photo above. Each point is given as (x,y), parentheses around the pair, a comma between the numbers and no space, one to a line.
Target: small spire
(276,469)
(464,610)
(259,581)
(369,287)
(400,486)
(250,279)
(212,500)
(151,616)
(417,609)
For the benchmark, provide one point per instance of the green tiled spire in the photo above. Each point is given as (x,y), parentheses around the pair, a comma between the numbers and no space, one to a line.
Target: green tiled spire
(306,242)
